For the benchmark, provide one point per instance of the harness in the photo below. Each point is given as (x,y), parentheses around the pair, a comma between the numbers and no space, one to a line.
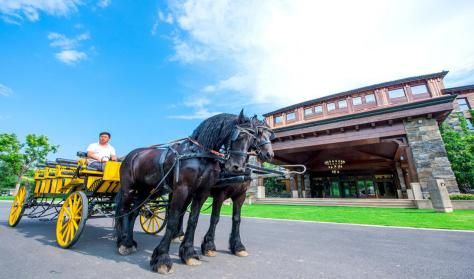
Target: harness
(206,154)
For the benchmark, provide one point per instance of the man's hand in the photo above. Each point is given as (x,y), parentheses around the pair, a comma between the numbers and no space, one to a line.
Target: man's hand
(113,158)
(91,155)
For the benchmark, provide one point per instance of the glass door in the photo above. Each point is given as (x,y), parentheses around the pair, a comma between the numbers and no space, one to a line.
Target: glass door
(334,188)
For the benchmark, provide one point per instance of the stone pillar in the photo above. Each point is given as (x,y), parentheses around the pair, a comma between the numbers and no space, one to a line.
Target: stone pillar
(294,190)
(429,154)
(299,184)
(439,196)
(260,192)
(307,186)
(252,192)
(401,179)
(416,188)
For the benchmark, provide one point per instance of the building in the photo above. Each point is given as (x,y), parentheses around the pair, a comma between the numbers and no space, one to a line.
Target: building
(377,141)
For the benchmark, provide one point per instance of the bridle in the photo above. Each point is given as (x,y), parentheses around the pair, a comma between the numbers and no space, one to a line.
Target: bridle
(259,144)
(234,136)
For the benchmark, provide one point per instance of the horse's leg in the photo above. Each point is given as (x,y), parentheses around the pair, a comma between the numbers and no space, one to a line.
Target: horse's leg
(129,242)
(160,260)
(186,251)
(235,244)
(127,245)
(208,247)
(179,235)
(118,226)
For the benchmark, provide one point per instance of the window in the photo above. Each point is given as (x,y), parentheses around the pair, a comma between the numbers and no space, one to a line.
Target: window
(396,93)
(318,109)
(342,104)
(463,105)
(469,124)
(370,98)
(419,89)
(357,101)
(278,119)
(331,106)
(290,116)
(308,111)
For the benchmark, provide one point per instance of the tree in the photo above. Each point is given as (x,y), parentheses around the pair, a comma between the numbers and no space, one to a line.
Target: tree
(19,158)
(460,148)
(10,160)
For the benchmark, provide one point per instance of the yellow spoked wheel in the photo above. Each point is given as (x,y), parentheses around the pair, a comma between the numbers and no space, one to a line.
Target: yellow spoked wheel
(71,219)
(18,207)
(152,218)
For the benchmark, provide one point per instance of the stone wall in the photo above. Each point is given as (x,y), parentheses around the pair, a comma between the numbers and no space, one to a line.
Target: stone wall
(429,154)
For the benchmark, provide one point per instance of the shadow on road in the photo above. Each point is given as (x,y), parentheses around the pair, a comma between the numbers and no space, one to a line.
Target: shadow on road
(97,241)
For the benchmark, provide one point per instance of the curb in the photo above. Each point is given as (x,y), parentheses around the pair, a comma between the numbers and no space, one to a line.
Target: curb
(359,225)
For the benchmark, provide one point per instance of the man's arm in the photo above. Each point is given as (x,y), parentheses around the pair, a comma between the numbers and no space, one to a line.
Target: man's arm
(91,155)
(113,155)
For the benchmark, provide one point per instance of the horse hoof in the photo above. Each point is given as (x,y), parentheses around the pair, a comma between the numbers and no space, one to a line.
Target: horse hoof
(178,239)
(163,269)
(210,253)
(193,262)
(124,251)
(242,253)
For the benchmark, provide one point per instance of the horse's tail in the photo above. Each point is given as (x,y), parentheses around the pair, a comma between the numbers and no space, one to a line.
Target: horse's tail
(118,224)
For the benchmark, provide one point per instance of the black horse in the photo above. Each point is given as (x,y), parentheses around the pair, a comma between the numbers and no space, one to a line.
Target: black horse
(185,170)
(237,192)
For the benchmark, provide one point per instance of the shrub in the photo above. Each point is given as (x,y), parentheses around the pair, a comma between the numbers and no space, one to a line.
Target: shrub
(462,197)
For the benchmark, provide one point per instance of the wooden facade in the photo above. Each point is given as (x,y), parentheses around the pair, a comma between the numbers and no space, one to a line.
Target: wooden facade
(366,127)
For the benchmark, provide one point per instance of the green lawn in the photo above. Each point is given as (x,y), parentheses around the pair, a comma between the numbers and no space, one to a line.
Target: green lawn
(6,198)
(418,218)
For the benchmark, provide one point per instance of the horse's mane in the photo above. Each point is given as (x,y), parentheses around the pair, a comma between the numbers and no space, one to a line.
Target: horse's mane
(213,132)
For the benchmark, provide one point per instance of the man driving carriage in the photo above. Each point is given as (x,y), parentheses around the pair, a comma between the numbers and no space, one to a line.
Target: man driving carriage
(100,152)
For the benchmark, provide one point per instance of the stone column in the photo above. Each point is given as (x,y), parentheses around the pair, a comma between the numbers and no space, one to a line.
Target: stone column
(307,186)
(401,179)
(429,154)
(252,192)
(440,196)
(299,184)
(294,190)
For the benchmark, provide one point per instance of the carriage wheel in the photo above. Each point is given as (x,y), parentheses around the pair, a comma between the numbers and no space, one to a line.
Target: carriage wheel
(153,218)
(71,219)
(18,207)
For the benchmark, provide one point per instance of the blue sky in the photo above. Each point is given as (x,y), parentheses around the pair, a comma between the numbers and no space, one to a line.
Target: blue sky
(150,71)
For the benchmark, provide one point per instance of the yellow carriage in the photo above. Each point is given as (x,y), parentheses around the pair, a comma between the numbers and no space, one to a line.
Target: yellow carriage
(70,192)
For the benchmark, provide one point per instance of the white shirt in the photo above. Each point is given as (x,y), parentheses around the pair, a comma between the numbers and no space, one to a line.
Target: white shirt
(105,152)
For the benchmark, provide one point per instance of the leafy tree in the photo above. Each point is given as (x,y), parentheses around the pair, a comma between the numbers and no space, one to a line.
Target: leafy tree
(460,148)
(19,158)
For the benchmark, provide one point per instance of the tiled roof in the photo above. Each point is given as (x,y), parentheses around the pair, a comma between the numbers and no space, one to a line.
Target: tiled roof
(360,90)
(459,89)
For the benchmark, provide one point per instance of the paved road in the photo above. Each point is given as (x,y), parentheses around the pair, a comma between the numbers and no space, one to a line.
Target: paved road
(278,249)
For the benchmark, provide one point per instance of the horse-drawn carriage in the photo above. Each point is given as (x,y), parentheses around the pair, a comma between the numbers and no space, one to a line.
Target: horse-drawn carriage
(213,161)
(71,192)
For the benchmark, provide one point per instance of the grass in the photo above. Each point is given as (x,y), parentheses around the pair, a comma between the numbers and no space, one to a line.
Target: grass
(6,198)
(417,218)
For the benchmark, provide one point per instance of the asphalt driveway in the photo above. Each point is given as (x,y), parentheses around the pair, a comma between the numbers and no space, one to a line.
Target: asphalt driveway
(278,249)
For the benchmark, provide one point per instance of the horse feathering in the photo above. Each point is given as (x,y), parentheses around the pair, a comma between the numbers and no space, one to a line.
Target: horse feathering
(213,132)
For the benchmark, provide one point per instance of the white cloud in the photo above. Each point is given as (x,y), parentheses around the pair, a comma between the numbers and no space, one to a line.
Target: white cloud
(61,41)
(16,11)
(161,17)
(290,51)
(197,103)
(70,57)
(5,90)
(68,47)
(103,3)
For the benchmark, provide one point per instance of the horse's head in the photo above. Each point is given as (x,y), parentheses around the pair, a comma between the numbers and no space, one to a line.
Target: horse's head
(263,141)
(239,142)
